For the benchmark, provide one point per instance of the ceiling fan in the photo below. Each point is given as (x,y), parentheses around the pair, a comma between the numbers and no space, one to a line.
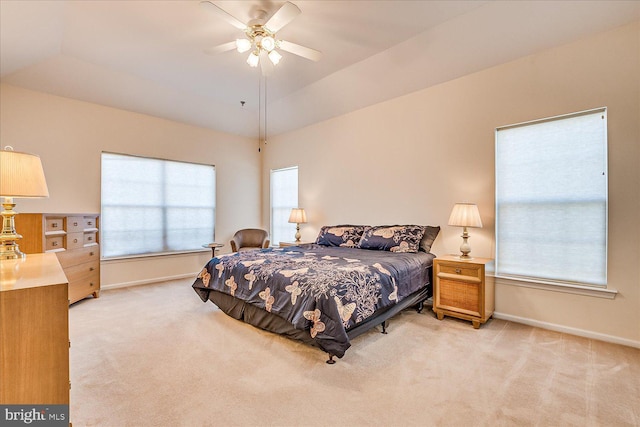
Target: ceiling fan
(261,38)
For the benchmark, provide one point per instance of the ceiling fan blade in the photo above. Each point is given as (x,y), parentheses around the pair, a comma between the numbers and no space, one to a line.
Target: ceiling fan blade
(282,17)
(220,48)
(296,49)
(223,14)
(265,64)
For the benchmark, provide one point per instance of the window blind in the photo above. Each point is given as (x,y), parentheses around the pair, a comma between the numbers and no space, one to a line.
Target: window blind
(284,197)
(551,199)
(152,206)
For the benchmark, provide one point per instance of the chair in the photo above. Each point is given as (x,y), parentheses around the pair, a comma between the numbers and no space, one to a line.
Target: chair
(249,239)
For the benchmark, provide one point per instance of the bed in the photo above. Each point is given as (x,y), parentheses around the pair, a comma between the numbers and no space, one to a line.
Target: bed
(326,293)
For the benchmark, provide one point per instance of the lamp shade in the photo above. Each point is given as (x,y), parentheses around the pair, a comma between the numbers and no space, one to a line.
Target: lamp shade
(465,215)
(298,216)
(21,175)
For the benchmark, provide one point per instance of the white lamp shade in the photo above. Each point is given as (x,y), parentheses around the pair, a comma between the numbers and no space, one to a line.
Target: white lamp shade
(21,175)
(253,59)
(465,215)
(298,216)
(268,43)
(275,57)
(243,45)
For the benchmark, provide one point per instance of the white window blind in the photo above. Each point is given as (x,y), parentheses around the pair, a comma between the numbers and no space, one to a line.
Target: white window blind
(551,199)
(284,197)
(152,206)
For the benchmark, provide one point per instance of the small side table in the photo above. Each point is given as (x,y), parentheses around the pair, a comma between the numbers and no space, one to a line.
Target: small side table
(214,247)
(461,289)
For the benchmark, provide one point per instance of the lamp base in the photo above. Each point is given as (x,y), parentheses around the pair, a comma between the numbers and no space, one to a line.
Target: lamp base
(11,251)
(465,248)
(8,247)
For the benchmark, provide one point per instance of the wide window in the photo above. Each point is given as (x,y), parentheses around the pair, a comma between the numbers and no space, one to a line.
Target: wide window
(284,197)
(551,199)
(152,206)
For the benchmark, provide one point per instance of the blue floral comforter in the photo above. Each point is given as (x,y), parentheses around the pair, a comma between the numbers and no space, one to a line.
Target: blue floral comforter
(325,290)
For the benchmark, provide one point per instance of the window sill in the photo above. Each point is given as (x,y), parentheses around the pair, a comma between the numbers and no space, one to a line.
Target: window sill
(557,287)
(154,255)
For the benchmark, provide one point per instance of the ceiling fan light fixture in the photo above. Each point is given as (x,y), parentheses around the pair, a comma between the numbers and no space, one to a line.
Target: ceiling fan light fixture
(243,45)
(268,43)
(274,57)
(253,59)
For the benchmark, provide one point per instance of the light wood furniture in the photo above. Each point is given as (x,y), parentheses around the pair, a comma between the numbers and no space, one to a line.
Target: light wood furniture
(461,289)
(34,326)
(75,240)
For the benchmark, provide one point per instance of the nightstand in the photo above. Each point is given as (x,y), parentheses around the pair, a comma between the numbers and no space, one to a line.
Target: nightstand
(460,289)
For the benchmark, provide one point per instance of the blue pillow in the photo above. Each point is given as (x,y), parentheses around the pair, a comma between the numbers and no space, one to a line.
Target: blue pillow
(340,235)
(393,238)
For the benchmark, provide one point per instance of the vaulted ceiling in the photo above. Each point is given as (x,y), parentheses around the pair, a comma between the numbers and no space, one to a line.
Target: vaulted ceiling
(148,56)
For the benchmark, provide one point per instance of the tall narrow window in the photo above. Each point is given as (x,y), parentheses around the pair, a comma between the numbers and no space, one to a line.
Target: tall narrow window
(551,199)
(152,206)
(284,197)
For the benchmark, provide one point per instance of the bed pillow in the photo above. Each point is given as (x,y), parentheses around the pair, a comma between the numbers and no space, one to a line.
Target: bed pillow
(340,235)
(393,238)
(430,234)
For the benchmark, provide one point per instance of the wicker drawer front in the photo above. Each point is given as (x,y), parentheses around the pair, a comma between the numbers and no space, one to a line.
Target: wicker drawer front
(460,296)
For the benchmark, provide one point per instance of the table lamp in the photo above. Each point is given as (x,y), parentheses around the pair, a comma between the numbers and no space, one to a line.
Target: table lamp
(21,176)
(465,215)
(298,216)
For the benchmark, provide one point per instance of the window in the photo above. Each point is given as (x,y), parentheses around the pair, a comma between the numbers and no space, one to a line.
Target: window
(284,197)
(152,206)
(551,199)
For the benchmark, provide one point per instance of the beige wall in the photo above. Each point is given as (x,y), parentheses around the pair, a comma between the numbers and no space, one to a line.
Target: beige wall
(408,160)
(69,136)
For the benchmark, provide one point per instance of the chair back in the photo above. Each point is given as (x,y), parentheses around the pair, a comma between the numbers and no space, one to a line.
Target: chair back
(249,239)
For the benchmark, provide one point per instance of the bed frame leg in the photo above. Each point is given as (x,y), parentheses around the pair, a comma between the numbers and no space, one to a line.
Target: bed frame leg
(420,306)
(384,327)
(331,361)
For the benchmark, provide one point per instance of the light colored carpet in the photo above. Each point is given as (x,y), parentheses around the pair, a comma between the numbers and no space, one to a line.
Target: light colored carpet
(156,355)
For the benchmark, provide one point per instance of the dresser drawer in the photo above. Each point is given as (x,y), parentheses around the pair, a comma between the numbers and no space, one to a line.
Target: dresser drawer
(471,271)
(53,224)
(82,271)
(54,243)
(75,240)
(90,222)
(90,238)
(78,289)
(75,224)
(79,256)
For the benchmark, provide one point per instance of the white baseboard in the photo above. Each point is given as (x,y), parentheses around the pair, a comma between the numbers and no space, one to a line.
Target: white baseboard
(568,330)
(148,281)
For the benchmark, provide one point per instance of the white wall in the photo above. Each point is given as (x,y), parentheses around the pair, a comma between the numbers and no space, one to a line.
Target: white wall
(69,136)
(408,160)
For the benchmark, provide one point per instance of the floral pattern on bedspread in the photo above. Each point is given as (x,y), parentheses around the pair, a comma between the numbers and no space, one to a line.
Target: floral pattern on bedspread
(325,290)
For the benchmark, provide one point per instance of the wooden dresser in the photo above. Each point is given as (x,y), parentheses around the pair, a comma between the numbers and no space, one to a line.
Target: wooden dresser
(74,239)
(34,331)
